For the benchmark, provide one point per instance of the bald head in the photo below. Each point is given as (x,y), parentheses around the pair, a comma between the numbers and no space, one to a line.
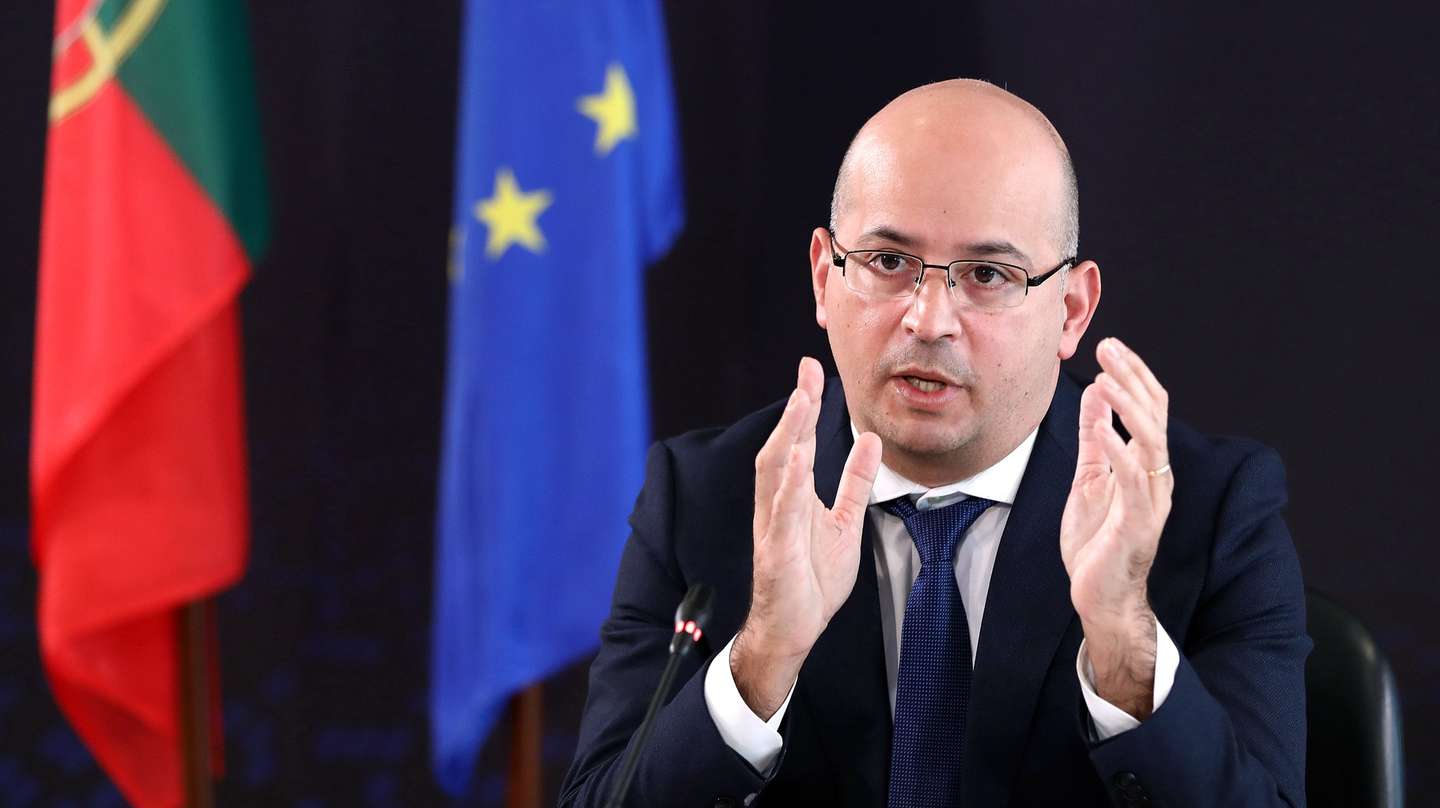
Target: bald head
(963,119)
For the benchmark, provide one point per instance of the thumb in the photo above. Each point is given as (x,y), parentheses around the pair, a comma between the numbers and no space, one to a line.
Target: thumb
(1094,411)
(853,495)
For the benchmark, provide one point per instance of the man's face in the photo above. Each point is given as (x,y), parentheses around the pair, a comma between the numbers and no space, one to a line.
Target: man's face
(945,196)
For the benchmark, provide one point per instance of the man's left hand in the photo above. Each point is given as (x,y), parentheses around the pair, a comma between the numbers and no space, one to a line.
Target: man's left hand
(1111,529)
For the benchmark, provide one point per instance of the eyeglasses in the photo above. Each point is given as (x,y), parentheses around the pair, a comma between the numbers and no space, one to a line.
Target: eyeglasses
(982,284)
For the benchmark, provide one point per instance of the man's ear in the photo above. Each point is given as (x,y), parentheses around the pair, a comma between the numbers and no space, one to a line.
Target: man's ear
(820,263)
(1082,296)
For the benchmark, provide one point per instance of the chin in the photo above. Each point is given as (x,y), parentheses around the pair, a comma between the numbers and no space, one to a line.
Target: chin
(932,439)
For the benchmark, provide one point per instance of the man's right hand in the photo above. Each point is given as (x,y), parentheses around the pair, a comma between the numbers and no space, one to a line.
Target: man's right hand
(806,555)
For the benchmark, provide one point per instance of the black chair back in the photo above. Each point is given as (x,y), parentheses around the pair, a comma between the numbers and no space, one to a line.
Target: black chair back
(1354,754)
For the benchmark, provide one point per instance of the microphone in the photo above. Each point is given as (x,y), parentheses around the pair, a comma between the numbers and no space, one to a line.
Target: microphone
(690,618)
(692,613)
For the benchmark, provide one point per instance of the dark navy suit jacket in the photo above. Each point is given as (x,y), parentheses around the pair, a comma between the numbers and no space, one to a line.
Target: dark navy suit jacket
(1225,585)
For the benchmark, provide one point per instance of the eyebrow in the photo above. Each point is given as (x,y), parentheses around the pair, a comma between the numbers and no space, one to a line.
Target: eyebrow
(989,249)
(890,234)
(978,249)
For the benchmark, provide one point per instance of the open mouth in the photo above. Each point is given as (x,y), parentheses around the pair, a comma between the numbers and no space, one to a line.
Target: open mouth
(924,385)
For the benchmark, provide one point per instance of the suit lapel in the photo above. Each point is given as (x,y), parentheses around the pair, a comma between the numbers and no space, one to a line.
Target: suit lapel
(1027,610)
(1027,613)
(843,679)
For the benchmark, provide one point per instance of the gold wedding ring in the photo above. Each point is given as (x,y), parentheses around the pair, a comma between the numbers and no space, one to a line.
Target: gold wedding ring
(1163,470)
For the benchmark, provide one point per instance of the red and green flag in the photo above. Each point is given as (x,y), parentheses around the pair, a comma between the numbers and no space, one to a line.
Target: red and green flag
(154,211)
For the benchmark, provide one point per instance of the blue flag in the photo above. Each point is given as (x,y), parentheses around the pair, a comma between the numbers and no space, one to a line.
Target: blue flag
(567,186)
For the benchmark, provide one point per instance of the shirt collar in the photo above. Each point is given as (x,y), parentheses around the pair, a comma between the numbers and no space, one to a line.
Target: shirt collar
(998,483)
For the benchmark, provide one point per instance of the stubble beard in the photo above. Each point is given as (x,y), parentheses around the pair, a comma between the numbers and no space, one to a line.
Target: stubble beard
(928,435)
(927,439)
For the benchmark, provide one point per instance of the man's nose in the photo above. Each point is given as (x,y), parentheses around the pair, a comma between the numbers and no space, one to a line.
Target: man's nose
(933,314)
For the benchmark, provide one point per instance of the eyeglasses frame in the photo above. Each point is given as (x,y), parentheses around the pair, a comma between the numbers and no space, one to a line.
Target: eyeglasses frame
(838,260)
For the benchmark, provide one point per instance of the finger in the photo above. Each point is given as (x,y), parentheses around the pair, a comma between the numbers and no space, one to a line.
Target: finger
(1116,360)
(1093,487)
(771,460)
(811,379)
(1094,409)
(1149,436)
(1139,377)
(1147,376)
(1130,478)
(853,495)
(790,517)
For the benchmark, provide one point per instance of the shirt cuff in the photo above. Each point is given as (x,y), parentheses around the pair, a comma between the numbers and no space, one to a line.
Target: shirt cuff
(757,741)
(1106,719)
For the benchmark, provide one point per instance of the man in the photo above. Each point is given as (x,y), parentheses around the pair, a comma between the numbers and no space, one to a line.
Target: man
(1009,601)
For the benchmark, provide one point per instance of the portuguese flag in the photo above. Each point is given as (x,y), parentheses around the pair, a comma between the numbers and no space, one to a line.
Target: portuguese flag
(154,211)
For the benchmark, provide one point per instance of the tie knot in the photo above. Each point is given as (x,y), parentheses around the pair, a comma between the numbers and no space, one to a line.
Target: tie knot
(937,532)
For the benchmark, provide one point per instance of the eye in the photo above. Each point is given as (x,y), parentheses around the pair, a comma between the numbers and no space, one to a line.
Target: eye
(991,276)
(887,263)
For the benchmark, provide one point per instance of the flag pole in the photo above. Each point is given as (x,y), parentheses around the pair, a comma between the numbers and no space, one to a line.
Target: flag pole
(195,704)
(526,719)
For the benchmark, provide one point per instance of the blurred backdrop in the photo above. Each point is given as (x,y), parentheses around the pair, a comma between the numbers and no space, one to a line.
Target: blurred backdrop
(1257,184)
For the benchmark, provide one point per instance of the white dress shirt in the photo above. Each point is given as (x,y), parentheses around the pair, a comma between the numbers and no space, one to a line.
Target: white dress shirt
(897,565)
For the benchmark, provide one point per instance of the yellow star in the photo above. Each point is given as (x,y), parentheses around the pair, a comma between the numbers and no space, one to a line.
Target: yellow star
(510,214)
(613,110)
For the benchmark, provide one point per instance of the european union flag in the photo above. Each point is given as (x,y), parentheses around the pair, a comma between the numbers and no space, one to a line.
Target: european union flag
(567,186)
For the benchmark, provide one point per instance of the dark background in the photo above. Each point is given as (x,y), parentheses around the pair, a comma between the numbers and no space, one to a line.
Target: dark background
(1257,183)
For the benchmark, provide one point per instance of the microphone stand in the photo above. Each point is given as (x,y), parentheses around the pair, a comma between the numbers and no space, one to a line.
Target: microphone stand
(692,612)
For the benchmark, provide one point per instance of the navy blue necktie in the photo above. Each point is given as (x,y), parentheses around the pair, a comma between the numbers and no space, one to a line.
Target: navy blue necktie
(932,693)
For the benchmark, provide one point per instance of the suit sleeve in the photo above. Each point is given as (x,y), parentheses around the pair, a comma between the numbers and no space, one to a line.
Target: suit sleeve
(685,761)
(1232,731)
